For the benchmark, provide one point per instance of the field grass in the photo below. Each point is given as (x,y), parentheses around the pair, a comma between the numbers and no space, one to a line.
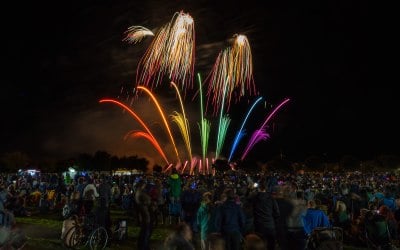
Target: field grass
(43,231)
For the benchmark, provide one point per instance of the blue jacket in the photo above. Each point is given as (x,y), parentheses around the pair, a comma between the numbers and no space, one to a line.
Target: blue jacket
(230,217)
(314,218)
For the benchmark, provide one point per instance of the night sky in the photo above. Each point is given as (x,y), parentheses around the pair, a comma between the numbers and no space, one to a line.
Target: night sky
(61,57)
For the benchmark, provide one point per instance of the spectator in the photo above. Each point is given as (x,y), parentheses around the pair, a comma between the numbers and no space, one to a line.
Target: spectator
(180,238)
(215,242)
(266,215)
(143,202)
(253,242)
(4,195)
(297,238)
(341,218)
(314,218)
(190,200)
(11,237)
(387,213)
(175,186)
(103,211)
(116,193)
(230,221)
(203,219)
(89,196)
(158,201)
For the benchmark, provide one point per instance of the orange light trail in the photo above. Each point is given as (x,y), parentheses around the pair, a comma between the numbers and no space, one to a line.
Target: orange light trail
(163,118)
(137,134)
(134,115)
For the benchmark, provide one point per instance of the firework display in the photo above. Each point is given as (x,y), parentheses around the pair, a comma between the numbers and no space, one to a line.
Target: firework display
(170,57)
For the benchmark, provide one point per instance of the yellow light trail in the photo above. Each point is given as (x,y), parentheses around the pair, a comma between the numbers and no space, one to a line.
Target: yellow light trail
(182,122)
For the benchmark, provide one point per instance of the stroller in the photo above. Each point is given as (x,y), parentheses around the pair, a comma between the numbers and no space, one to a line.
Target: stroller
(324,238)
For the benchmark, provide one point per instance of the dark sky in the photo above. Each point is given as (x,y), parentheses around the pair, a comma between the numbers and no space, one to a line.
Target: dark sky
(61,57)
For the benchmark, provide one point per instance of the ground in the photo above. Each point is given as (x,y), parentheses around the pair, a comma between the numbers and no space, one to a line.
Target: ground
(44,230)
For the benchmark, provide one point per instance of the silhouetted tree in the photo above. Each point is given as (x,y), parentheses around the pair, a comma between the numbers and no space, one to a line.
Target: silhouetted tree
(63,165)
(388,161)
(157,168)
(279,164)
(248,165)
(85,161)
(369,166)
(115,163)
(49,166)
(142,164)
(15,160)
(102,160)
(315,163)
(221,165)
(349,162)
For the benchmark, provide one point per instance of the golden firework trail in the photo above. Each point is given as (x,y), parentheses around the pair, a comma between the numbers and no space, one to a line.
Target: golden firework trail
(135,34)
(182,122)
(172,52)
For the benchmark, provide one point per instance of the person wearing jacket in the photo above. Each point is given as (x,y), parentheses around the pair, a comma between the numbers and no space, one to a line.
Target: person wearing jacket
(143,202)
(175,186)
(230,221)
(203,216)
(265,215)
(314,217)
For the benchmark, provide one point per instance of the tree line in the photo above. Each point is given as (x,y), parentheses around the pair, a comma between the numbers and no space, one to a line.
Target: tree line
(99,161)
(103,161)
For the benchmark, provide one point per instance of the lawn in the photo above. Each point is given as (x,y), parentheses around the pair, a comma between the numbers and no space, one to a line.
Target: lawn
(44,230)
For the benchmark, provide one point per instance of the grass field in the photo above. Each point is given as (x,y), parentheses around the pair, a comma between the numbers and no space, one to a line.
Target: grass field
(44,230)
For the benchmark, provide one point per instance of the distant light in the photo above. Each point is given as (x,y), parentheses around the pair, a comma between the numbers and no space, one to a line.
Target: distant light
(71,170)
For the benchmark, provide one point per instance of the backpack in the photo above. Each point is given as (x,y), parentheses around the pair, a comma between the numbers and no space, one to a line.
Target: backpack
(5,219)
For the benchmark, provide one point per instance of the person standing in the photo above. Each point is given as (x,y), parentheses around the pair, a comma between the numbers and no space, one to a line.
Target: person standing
(297,237)
(230,221)
(203,216)
(175,186)
(104,204)
(265,214)
(180,238)
(143,202)
(158,201)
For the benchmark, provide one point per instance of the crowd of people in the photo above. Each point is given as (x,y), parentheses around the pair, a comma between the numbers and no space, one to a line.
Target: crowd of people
(227,210)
